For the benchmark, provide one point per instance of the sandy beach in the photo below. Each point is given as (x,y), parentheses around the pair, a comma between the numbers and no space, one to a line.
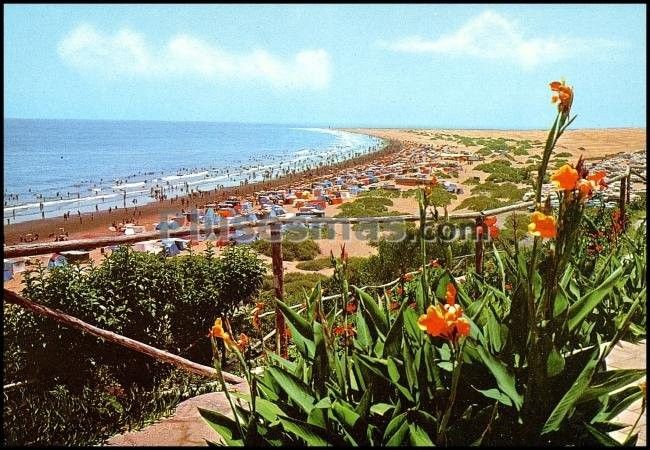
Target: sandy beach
(593,144)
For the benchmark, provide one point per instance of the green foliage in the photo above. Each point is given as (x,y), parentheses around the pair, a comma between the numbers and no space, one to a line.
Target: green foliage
(501,170)
(295,247)
(61,417)
(480,203)
(506,191)
(563,155)
(369,206)
(168,303)
(388,193)
(315,264)
(472,181)
(395,257)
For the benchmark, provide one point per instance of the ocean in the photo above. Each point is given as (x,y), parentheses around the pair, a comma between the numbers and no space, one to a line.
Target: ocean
(55,166)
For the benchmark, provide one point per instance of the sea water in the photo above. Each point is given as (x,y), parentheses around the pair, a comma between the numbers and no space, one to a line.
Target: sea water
(55,166)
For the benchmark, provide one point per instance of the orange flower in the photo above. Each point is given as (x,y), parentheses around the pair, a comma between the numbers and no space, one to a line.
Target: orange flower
(347,330)
(407,277)
(493,230)
(433,322)
(393,306)
(451,294)
(565,178)
(564,97)
(243,342)
(218,332)
(598,179)
(462,326)
(542,225)
(585,189)
(351,307)
(399,291)
(434,263)
(447,320)
(259,307)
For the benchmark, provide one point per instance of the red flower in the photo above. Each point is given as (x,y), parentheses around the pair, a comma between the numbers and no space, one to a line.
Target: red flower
(493,230)
(351,307)
(407,277)
(451,294)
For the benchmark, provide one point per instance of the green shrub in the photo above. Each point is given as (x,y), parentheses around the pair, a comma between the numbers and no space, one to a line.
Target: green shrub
(507,191)
(388,193)
(366,207)
(315,264)
(480,203)
(168,303)
(294,247)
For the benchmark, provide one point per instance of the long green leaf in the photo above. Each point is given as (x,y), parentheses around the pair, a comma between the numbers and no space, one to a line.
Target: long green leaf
(572,395)
(505,380)
(603,438)
(223,425)
(297,391)
(299,323)
(311,434)
(418,436)
(396,430)
(581,309)
(376,314)
(610,381)
(394,336)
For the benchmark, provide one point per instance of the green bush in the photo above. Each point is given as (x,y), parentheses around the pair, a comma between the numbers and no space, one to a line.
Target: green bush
(506,191)
(480,203)
(295,247)
(501,170)
(168,303)
(367,207)
(315,264)
(388,193)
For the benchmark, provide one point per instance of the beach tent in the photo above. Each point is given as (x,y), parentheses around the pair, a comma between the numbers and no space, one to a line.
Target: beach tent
(79,256)
(57,260)
(170,247)
(151,246)
(210,216)
(9,270)
(171,225)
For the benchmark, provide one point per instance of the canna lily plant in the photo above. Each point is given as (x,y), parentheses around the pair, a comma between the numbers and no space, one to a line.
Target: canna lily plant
(448,363)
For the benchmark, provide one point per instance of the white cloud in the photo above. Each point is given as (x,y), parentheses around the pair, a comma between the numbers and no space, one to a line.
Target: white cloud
(128,53)
(492,36)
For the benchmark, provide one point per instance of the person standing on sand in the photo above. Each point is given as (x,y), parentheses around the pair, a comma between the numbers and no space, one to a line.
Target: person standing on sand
(42,214)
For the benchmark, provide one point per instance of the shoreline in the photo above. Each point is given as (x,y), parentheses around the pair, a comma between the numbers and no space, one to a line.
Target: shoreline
(595,145)
(96,224)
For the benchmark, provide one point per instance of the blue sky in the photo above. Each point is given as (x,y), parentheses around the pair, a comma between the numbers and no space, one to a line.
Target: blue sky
(468,66)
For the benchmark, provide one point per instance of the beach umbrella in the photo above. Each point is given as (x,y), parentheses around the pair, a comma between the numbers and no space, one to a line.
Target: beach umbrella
(57,260)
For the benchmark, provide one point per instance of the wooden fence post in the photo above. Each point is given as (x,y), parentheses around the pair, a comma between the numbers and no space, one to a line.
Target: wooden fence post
(629,185)
(278,283)
(621,200)
(478,261)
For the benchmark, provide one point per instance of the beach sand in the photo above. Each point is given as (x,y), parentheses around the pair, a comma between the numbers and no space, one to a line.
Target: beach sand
(595,144)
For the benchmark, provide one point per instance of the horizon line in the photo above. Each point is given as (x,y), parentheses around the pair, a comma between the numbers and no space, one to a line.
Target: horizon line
(339,127)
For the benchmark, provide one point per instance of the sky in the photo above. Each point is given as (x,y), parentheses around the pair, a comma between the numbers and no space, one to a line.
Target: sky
(437,66)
